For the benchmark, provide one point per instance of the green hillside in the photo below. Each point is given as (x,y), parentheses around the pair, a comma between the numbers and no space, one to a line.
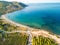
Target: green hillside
(7,7)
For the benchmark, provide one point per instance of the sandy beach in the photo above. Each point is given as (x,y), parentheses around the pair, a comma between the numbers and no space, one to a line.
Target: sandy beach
(35,33)
(11,22)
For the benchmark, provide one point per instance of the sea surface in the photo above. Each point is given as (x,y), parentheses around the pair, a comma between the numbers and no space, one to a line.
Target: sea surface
(41,15)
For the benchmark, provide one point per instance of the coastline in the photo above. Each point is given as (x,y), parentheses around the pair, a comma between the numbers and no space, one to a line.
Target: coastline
(4,17)
(34,32)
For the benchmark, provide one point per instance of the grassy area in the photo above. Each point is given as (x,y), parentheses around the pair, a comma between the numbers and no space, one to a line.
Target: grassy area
(14,39)
(43,41)
(6,26)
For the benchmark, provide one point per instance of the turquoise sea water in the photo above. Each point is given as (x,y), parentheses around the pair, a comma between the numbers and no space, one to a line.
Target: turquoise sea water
(44,16)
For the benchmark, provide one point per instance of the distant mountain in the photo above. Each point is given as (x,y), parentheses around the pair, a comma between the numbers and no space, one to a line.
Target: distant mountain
(22,4)
(7,7)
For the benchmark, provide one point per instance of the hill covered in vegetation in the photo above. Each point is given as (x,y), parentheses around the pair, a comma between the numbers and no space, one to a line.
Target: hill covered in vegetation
(7,7)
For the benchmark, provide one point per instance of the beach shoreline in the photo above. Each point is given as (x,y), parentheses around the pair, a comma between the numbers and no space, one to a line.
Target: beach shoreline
(35,32)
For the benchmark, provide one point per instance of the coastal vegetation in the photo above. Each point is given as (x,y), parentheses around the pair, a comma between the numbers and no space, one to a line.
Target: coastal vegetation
(40,40)
(14,39)
(6,26)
